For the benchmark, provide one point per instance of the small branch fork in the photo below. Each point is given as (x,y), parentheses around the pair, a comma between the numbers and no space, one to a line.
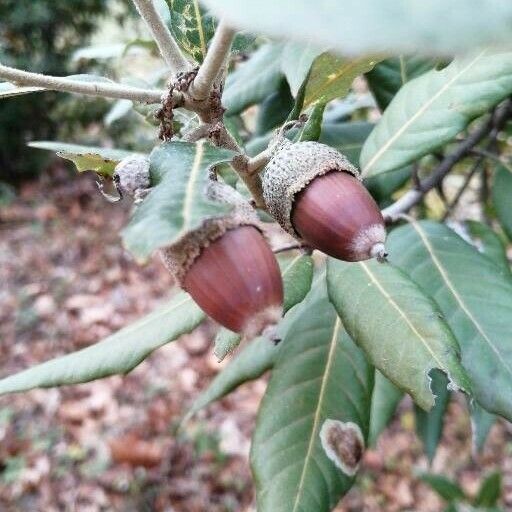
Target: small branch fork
(491,128)
(214,62)
(197,90)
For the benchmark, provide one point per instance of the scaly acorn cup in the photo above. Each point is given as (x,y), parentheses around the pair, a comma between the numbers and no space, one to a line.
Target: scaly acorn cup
(316,195)
(228,268)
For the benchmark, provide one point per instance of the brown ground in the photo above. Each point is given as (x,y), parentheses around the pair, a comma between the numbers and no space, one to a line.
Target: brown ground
(65,282)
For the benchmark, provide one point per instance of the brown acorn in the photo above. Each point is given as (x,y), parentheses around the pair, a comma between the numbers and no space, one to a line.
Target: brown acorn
(315,194)
(228,268)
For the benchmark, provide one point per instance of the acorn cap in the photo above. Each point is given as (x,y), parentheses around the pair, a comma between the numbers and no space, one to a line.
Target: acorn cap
(179,257)
(291,168)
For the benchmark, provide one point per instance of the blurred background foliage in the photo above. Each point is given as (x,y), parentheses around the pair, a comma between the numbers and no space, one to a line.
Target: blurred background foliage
(42,36)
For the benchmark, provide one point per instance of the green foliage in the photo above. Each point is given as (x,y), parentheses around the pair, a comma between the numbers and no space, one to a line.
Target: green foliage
(254,80)
(392,320)
(447,489)
(429,425)
(319,375)
(433,320)
(385,399)
(489,243)
(490,491)
(485,501)
(502,192)
(101,160)
(35,35)
(390,75)
(481,424)
(177,203)
(432,109)
(192,26)
(116,354)
(440,262)
(366,26)
(249,364)
(331,77)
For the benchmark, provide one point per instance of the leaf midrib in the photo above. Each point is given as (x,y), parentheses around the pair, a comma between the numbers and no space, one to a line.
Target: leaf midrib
(420,112)
(456,296)
(316,421)
(390,300)
(189,192)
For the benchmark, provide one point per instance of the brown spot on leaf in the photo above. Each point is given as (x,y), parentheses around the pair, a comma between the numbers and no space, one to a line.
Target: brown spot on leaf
(343,443)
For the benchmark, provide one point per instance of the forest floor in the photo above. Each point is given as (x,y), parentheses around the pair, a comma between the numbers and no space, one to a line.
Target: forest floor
(112,445)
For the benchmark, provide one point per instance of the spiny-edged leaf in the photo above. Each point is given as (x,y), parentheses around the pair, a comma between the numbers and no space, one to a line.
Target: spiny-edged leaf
(296,61)
(254,80)
(429,425)
(250,363)
(332,76)
(178,202)
(192,26)
(455,274)
(385,399)
(86,158)
(319,375)
(430,110)
(297,274)
(116,354)
(502,198)
(399,328)
(349,139)
(481,424)
(488,242)
(366,26)
(446,488)
(388,76)
(490,491)
(274,109)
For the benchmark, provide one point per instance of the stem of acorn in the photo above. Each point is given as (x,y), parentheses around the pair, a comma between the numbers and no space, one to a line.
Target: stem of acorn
(378,251)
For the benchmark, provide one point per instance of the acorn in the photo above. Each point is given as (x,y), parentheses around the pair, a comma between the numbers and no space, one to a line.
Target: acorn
(316,195)
(230,271)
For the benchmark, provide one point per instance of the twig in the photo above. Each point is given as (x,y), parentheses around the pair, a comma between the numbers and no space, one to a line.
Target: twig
(220,136)
(213,62)
(414,196)
(290,247)
(462,189)
(492,156)
(63,84)
(256,163)
(162,35)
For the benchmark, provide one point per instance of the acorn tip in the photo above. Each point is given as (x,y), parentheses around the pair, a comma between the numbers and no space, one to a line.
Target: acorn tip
(378,251)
